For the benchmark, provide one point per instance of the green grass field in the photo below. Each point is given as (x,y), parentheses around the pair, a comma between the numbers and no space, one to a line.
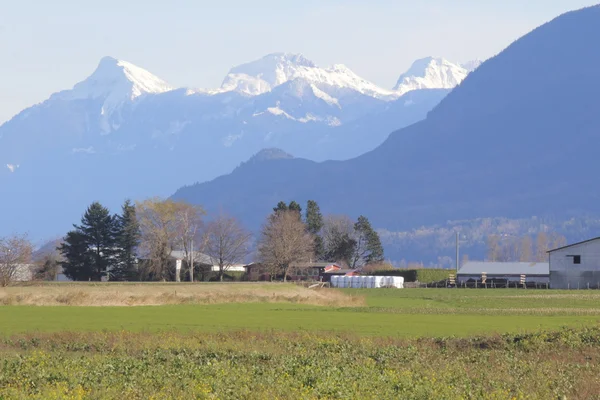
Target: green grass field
(388,312)
(275,343)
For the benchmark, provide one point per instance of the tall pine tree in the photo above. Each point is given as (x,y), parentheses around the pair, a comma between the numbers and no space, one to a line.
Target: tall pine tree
(76,253)
(281,206)
(90,249)
(314,222)
(368,245)
(295,207)
(127,239)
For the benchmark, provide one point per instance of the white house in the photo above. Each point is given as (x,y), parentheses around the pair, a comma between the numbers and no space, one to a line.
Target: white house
(576,266)
(203,259)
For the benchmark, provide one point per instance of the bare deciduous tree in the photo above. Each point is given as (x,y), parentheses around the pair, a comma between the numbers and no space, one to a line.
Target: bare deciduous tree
(285,243)
(166,225)
(541,247)
(526,249)
(465,259)
(47,261)
(555,241)
(226,242)
(15,254)
(493,248)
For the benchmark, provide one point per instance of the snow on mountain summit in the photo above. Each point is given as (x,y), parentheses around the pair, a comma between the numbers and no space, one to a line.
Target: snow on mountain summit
(262,75)
(432,73)
(118,78)
(116,82)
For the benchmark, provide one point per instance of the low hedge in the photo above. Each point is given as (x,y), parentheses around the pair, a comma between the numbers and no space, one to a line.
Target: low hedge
(424,275)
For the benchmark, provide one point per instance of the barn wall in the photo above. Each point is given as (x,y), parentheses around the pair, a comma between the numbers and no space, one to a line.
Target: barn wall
(564,274)
(511,278)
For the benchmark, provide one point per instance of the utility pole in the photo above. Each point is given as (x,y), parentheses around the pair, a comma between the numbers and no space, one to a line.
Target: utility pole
(457,251)
(191,260)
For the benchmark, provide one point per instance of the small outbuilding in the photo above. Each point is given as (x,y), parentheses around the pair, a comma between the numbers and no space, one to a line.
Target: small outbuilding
(511,272)
(576,266)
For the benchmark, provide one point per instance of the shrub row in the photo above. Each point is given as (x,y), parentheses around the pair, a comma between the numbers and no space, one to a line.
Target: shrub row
(424,275)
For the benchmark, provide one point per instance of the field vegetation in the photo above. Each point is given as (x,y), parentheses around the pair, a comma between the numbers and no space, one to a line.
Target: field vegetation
(151,294)
(257,341)
(276,365)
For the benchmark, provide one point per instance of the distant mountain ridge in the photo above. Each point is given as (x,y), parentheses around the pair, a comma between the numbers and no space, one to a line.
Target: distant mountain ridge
(124,132)
(518,137)
(433,72)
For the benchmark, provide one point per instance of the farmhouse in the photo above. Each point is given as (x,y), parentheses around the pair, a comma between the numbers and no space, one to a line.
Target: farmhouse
(205,261)
(314,271)
(503,272)
(576,266)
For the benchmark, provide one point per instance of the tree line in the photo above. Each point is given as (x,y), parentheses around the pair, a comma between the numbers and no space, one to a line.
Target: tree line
(289,239)
(525,248)
(142,241)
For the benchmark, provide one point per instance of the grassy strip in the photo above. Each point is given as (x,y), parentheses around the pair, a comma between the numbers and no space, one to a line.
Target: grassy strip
(172,294)
(423,275)
(281,317)
(247,365)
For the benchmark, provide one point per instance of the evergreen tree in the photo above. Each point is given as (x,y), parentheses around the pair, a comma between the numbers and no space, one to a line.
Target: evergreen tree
(314,221)
(339,239)
(127,239)
(295,207)
(77,257)
(341,249)
(90,249)
(368,245)
(281,206)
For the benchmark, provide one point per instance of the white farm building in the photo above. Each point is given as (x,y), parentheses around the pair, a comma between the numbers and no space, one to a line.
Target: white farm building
(576,266)
(504,272)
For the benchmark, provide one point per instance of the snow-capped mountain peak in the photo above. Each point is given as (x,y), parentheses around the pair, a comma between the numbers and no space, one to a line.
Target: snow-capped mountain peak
(430,73)
(262,75)
(115,82)
(120,79)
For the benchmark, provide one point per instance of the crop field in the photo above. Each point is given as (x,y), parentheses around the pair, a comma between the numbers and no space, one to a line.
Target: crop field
(256,341)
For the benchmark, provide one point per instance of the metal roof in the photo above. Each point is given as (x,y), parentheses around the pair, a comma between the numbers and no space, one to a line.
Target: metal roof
(574,244)
(504,268)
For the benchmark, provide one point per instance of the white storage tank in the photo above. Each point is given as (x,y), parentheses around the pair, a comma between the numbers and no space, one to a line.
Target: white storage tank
(364,282)
(399,282)
(370,282)
(377,282)
(347,283)
(355,281)
(335,281)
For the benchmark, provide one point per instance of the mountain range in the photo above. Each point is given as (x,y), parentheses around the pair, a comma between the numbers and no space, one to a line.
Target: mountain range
(125,133)
(518,137)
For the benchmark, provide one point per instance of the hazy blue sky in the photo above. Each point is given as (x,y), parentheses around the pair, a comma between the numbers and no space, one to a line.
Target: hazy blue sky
(48,46)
